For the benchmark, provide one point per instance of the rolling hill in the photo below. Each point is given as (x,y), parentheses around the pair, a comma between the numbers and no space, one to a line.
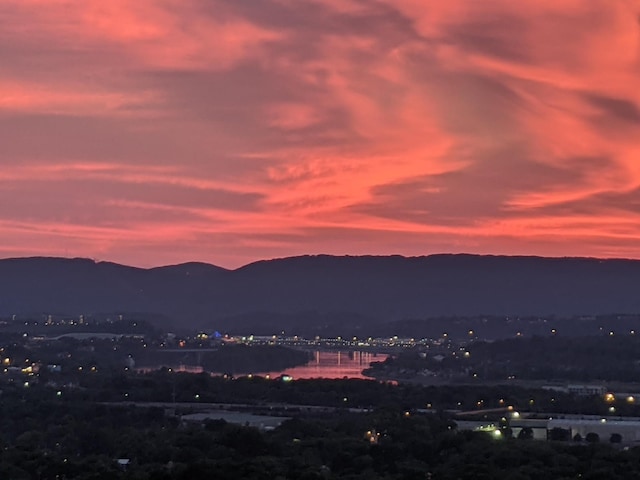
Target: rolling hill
(323,288)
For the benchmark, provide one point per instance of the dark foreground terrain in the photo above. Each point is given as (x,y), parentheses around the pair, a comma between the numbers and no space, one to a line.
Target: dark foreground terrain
(356,430)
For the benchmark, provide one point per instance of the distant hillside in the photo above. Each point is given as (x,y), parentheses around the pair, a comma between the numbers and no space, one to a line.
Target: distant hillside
(314,289)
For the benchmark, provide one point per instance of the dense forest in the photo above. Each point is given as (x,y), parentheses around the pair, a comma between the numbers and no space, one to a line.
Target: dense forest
(54,437)
(609,357)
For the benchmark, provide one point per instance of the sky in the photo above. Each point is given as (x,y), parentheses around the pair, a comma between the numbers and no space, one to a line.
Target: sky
(155,132)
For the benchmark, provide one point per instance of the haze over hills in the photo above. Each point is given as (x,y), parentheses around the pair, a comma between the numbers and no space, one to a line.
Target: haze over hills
(323,288)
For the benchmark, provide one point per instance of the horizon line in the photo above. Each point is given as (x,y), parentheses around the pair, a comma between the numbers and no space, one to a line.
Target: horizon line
(97,261)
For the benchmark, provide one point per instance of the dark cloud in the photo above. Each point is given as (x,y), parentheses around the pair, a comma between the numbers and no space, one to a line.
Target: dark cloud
(236,105)
(616,108)
(502,36)
(62,138)
(102,201)
(598,204)
(478,192)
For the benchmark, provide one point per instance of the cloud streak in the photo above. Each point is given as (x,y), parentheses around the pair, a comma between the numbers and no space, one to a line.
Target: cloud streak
(156,132)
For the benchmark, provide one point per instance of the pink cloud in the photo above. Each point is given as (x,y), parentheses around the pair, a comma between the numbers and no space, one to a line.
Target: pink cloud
(243,131)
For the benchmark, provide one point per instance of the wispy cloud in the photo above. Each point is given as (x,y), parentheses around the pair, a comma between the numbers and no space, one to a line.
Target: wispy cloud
(153,132)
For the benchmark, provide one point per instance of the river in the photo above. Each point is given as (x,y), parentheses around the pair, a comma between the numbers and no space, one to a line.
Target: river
(324,364)
(332,364)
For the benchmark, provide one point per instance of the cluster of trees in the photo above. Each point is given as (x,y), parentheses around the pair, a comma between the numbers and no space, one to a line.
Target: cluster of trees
(71,354)
(232,359)
(564,435)
(609,357)
(168,386)
(503,327)
(561,358)
(56,439)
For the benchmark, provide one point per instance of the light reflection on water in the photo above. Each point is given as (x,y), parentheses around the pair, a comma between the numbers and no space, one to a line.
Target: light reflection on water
(324,364)
(328,364)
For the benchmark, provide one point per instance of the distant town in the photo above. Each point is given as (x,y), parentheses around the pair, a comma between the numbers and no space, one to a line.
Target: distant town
(561,390)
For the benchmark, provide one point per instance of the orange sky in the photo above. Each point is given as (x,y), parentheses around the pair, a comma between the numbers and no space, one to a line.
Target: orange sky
(152,132)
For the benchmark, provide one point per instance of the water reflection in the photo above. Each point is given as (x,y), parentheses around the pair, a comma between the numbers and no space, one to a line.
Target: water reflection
(332,364)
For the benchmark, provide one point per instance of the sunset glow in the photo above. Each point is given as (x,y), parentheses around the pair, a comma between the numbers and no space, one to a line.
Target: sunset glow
(155,132)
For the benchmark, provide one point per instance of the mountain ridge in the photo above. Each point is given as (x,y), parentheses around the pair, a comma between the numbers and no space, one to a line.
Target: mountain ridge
(382,288)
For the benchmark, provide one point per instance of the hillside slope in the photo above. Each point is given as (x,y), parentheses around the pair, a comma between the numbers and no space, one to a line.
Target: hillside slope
(380,288)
